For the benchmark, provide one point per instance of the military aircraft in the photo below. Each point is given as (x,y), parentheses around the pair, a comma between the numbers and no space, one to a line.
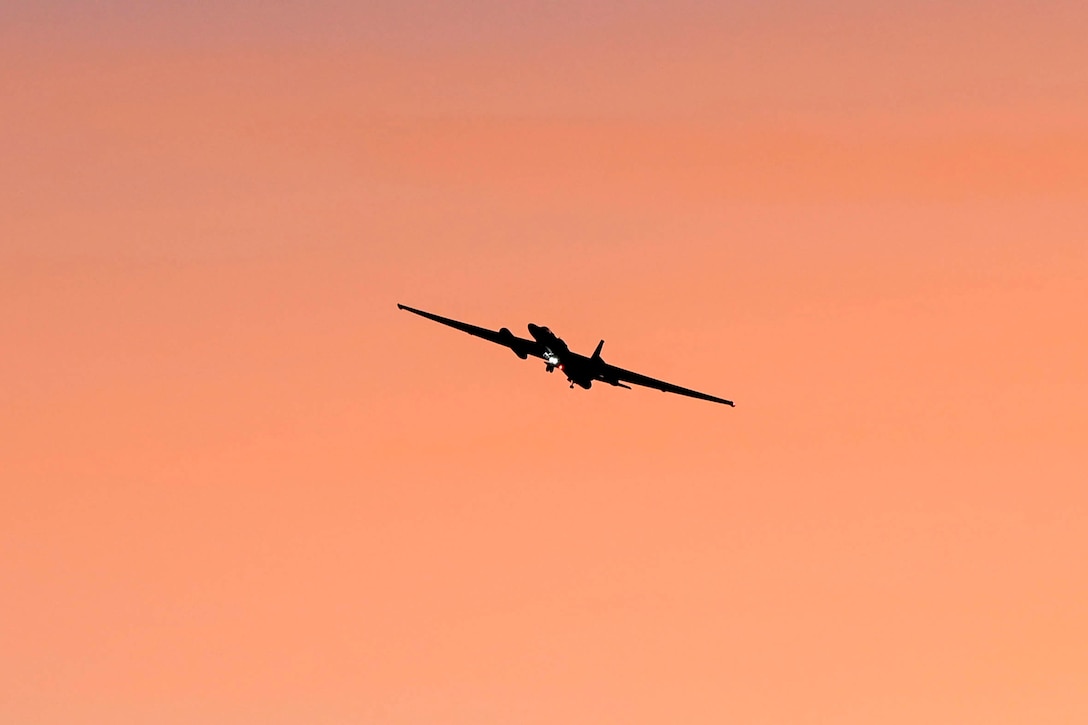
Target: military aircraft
(579,369)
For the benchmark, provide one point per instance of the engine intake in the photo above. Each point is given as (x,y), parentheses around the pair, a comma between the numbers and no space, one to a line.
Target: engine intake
(509,340)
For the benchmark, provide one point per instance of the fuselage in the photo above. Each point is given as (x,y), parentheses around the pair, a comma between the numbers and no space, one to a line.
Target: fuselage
(579,369)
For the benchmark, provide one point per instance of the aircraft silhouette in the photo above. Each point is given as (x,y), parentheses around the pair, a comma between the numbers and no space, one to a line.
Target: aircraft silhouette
(579,369)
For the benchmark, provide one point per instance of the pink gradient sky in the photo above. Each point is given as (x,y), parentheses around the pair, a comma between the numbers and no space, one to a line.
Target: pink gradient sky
(238,486)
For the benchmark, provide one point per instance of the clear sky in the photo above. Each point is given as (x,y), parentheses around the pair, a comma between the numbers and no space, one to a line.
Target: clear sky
(237,485)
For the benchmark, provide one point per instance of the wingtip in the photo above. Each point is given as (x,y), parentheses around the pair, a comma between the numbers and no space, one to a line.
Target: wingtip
(400,306)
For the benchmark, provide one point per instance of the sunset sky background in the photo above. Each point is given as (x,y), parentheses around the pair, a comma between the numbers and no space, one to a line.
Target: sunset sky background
(237,485)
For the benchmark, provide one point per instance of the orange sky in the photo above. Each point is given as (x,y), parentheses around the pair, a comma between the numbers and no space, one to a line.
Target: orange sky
(238,486)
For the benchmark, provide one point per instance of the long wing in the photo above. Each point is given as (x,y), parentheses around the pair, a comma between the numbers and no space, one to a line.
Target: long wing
(613,374)
(521,347)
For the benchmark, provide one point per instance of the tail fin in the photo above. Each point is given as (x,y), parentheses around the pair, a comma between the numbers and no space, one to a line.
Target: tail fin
(597,352)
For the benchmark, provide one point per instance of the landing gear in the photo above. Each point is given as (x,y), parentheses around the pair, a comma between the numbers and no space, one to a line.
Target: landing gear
(550,368)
